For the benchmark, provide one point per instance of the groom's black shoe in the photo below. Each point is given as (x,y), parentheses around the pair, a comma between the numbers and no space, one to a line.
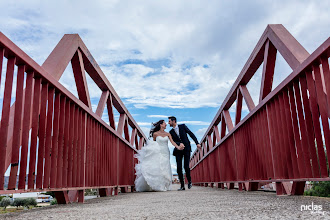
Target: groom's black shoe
(189,185)
(181,188)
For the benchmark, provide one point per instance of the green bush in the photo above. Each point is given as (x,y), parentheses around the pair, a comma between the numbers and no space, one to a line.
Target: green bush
(1,197)
(18,202)
(91,192)
(5,202)
(30,202)
(33,202)
(321,189)
(53,202)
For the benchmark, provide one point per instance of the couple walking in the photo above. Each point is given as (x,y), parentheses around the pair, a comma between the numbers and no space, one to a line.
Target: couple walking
(153,172)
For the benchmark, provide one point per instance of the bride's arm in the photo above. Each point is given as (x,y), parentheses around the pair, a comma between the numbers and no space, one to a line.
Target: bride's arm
(173,143)
(154,136)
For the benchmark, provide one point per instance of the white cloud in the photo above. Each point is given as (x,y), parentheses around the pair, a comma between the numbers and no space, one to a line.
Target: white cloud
(189,53)
(144,124)
(194,122)
(157,116)
(201,132)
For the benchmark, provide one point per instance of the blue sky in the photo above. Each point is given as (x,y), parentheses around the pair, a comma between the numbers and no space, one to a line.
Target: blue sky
(165,57)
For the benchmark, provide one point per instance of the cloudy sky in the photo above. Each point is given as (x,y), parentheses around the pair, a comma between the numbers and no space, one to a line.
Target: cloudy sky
(165,57)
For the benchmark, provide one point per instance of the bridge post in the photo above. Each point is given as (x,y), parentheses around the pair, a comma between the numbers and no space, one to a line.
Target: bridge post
(230,185)
(66,197)
(240,186)
(279,189)
(282,188)
(104,192)
(81,196)
(251,186)
(61,197)
(123,189)
(115,191)
(298,188)
(73,196)
(295,188)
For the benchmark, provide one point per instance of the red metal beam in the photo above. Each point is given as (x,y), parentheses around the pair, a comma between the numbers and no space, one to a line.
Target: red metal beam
(26,129)
(209,142)
(61,143)
(48,141)
(228,120)
(268,70)
(56,131)
(133,136)
(110,112)
(60,57)
(217,134)
(2,53)
(291,50)
(80,78)
(102,102)
(42,135)
(239,103)
(247,97)
(34,132)
(5,117)
(121,124)
(17,128)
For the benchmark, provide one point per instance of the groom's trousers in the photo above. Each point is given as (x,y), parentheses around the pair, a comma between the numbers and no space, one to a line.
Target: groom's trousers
(186,159)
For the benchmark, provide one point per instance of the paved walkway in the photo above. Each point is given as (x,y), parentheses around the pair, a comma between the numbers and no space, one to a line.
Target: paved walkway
(197,203)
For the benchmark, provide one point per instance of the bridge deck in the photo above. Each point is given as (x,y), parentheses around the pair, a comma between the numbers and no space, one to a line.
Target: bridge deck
(197,203)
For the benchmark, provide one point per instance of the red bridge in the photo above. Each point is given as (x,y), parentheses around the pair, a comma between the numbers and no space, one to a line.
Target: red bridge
(64,145)
(52,141)
(285,137)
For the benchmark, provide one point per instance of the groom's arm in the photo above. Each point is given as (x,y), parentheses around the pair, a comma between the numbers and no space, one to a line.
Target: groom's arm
(177,142)
(191,134)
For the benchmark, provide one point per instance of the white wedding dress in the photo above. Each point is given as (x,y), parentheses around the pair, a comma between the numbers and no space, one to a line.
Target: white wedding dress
(153,171)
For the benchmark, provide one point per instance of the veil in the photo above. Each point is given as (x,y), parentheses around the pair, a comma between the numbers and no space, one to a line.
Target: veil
(153,126)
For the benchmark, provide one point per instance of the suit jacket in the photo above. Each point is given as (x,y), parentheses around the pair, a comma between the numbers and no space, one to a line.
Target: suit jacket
(183,131)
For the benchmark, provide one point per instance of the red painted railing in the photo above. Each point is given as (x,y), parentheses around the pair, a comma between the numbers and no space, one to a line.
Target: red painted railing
(53,141)
(285,138)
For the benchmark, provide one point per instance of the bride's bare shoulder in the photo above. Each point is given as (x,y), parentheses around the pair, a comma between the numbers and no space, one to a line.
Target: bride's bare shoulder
(155,135)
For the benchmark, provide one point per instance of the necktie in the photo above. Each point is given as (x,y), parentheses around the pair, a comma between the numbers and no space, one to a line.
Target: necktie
(177,131)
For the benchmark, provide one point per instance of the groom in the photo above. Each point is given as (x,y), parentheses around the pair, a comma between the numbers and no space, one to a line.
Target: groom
(179,135)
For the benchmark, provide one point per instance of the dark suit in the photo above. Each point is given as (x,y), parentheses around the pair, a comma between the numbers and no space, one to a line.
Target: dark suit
(185,153)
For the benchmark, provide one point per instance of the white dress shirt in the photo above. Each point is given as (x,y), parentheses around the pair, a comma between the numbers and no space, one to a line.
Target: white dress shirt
(176,129)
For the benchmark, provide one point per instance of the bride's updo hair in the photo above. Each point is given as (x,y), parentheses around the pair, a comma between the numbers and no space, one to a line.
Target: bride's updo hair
(155,127)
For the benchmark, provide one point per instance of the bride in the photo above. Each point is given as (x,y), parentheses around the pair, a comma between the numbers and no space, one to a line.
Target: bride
(153,171)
